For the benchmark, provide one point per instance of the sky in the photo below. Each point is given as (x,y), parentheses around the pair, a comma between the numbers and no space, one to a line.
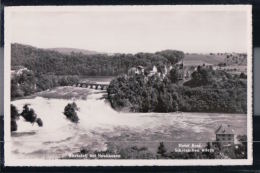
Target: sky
(132,29)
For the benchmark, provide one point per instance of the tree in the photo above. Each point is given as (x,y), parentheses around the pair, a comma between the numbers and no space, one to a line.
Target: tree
(203,76)
(14,112)
(27,82)
(14,117)
(15,90)
(42,61)
(241,150)
(13,125)
(210,154)
(161,149)
(173,75)
(39,122)
(172,56)
(70,112)
(28,114)
(242,75)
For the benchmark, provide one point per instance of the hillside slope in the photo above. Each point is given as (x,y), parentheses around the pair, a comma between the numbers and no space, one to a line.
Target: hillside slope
(45,61)
(200,59)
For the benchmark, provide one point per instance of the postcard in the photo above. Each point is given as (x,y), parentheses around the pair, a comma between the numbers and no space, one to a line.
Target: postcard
(139,85)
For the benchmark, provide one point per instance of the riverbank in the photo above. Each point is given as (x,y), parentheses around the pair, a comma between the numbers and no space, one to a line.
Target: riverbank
(64,92)
(207,91)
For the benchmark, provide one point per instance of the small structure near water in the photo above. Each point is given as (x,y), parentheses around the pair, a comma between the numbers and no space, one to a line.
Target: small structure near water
(225,135)
(136,70)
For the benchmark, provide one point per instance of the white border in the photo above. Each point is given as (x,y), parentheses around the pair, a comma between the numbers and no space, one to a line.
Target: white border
(192,162)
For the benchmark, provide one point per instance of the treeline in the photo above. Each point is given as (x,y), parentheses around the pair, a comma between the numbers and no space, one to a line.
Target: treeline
(207,91)
(26,82)
(43,61)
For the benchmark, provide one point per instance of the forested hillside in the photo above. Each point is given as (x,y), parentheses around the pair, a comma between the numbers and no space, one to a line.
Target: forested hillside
(42,61)
(208,90)
(37,69)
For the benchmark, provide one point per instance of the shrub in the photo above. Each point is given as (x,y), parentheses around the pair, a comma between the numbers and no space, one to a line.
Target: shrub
(13,125)
(39,122)
(161,149)
(207,91)
(28,114)
(70,112)
(14,117)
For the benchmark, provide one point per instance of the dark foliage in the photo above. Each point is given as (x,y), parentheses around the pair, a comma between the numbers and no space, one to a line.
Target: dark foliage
(48,68)
(172,56)
(28,114)
(243,75)
(135,152)
(70,112)
(161,149)
(201,77)
(42,61)
(13,125)
(14,116)
(23,84)
(39,122)
(241,150)
(46,81)
(28,83)
(217,91)
(174,75)
(14,112)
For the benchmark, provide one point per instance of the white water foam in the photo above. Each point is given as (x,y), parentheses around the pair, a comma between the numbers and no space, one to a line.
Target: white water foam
(59,136)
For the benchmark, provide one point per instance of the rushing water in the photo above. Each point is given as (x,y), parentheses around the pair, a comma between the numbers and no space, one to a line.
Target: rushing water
(100,124)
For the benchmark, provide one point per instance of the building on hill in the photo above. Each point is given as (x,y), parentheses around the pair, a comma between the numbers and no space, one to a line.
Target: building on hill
(140,69)
(136,70)
(18,70)
(153,71)
(225,135)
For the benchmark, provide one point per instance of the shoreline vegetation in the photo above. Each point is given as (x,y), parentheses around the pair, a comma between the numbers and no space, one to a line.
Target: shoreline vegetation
(208,90)
(59,92)
(154,95)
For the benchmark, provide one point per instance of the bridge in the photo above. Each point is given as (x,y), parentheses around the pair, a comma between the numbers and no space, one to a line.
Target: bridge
(91,85)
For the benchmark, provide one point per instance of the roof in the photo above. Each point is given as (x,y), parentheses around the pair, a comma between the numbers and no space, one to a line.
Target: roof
(224,129)
(140,67)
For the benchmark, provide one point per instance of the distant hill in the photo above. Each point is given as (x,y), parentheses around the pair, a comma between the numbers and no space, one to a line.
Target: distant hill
(68,51)
(200,59)
(230,59)
(87,63)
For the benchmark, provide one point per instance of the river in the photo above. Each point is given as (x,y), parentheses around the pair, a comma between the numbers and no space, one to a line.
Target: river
(100,126)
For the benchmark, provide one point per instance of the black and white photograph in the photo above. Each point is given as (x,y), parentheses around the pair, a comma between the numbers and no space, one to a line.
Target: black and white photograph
(128,85)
